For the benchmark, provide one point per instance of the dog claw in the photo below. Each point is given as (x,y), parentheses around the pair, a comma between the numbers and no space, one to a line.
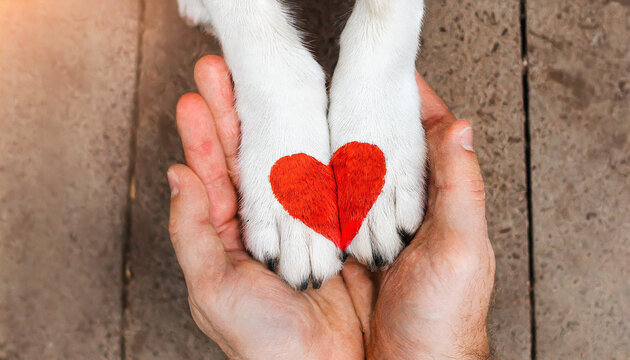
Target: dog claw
(272,264)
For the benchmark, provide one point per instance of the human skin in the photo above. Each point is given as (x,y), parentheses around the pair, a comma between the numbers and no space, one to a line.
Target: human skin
(431,303)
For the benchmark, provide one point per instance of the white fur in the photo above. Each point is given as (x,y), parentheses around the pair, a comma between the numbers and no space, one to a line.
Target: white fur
(282,104)
(374,99)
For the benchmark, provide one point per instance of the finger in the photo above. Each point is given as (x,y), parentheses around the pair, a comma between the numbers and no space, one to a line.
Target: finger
(436,116)
(215,85)
(197,245)
(362,287)
(459,196)
(204,154)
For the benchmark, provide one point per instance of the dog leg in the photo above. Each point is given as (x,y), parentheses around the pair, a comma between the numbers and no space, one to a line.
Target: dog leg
(374,99)
(282,103)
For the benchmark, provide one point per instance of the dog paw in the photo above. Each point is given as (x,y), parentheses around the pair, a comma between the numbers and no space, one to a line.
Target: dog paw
(295,231)
(281,102)
(374,99)
(292,249)
(393,219)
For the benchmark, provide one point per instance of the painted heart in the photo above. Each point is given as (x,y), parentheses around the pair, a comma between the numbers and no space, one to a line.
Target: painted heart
(359,170)
(306,189)
(332,200)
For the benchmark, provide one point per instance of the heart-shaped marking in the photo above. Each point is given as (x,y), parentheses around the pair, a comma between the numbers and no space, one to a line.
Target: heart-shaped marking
(306,189)
(332,200)
(359,170)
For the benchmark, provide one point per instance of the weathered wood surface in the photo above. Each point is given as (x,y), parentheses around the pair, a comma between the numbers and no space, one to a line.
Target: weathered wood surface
(68,75)
(158,321)
(67,81)
(471,56)
(579,57)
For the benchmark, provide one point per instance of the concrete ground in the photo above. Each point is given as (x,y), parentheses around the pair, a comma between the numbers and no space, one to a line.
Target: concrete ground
(87,98)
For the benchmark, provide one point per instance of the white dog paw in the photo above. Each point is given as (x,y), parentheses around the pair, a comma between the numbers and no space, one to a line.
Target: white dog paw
(292,249)
(281,101)
(283,119)
(283,211)
(374,99)
(393,219)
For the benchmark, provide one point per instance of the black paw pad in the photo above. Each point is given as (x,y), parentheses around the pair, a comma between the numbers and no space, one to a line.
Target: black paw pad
(405,236)
(272,264)
(317,284)
(378,260)
(304,285)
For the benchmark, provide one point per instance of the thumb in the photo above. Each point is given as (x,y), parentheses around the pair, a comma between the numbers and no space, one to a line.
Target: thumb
(198,247)
(458,184)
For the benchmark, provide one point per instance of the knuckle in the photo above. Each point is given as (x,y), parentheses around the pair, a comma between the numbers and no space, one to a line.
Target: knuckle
(443,187)
(173,226)
(464,265)
(459,261)
(174,230)
(203,148)
(217,179)
(439,116)
(477,188)
(233,130)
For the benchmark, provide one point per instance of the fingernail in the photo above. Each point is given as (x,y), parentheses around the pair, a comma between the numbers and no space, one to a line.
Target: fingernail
(172,182)
(466,139)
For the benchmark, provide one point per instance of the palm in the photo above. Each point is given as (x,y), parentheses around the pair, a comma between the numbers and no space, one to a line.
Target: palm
(259,308)
(249,303)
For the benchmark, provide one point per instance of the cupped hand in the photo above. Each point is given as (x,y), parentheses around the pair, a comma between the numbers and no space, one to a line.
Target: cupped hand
(238,302)
(431,303)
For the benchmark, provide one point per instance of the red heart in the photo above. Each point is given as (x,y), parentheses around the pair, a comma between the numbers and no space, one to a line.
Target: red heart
(359,170)
(332,200)
(306,189)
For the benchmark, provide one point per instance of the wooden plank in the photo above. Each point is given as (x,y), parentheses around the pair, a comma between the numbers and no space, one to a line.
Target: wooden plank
(471,56)
(159,325)
(67,79)
(580,104)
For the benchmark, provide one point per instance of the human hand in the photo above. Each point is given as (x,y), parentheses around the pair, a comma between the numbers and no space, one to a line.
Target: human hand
(239,303)
(433,301)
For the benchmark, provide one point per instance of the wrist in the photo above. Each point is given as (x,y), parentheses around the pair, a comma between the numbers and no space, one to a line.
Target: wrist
(380,353)
(389,345)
